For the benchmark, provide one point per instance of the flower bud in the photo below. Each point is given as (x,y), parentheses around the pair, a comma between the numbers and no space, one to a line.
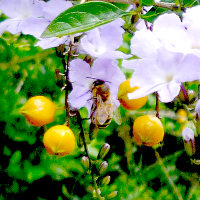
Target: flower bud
(112,195)
(103,151)
(90,189)
(197,109)
(103,167)
(106,180)
(96,193)
(85,162)
(192,96)
(189,141)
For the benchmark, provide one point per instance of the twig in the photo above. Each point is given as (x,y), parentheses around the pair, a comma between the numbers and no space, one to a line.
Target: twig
(157,105)
(171,183)
(170,6)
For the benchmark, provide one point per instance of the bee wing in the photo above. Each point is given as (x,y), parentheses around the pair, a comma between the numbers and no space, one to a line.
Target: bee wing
(116,115)
(103,111)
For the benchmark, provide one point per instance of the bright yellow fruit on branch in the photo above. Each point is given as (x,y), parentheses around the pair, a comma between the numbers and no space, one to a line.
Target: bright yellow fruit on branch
(129,104)
(148,130)
(59,140)
(38,111)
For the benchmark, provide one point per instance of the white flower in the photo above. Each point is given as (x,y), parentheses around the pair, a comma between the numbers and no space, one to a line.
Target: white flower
(170,32)
(82,76)
(144,44)
(164,74)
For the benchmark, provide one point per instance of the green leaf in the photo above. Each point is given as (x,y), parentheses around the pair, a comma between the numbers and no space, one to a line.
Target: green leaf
(190,3)
(153,13)
(146,2)
(83,17)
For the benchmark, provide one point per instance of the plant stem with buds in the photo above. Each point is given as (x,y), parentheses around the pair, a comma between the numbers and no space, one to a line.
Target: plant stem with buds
(82,135)
(66,66)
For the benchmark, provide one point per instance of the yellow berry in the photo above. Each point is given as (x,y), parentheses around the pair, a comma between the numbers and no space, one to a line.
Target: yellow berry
(148,130)
(129,104)
(181,116)
(59,140)
(39,111)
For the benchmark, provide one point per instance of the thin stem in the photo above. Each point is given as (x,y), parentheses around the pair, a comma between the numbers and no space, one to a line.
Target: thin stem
(199,91)
(120,1)
(157,105)
(66,66)
(192,190)
(175,190)
(82,135)
(17,60)
(185,93)
(170,6)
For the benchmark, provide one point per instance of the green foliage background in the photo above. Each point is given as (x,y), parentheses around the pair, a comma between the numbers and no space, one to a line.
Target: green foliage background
(28,172)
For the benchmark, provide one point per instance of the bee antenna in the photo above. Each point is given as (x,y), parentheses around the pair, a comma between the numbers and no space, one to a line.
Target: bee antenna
(91,78)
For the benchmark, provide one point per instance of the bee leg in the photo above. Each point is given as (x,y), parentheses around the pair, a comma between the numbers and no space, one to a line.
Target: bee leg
(93,130)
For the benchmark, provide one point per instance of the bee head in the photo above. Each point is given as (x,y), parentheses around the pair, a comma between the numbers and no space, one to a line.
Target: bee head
(101,88)
(98,82)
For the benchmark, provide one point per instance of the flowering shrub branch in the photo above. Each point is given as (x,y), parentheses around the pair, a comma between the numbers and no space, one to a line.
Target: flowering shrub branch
(125,52)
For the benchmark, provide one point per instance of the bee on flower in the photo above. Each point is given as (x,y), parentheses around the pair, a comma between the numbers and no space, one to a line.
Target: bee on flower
(96,89)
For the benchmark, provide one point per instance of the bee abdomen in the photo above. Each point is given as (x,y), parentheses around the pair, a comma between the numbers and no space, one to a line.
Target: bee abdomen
(107,122)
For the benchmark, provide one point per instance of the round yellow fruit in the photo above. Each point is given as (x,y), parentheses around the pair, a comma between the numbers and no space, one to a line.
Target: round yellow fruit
(130,104)
(39,111)
(148,130)
(181,116)
(59,140)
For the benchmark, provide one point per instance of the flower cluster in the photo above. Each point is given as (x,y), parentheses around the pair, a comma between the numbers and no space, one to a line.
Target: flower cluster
(168,55)
(168,52)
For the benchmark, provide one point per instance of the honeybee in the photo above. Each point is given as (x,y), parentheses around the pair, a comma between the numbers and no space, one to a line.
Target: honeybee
(102,110)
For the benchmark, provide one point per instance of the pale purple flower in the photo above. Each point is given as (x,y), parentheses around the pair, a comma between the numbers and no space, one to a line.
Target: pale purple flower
(164,74)
(25,16)
(191,22)
(46,43)
(51,10)
(104,40)
(82,76)
(32,17)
